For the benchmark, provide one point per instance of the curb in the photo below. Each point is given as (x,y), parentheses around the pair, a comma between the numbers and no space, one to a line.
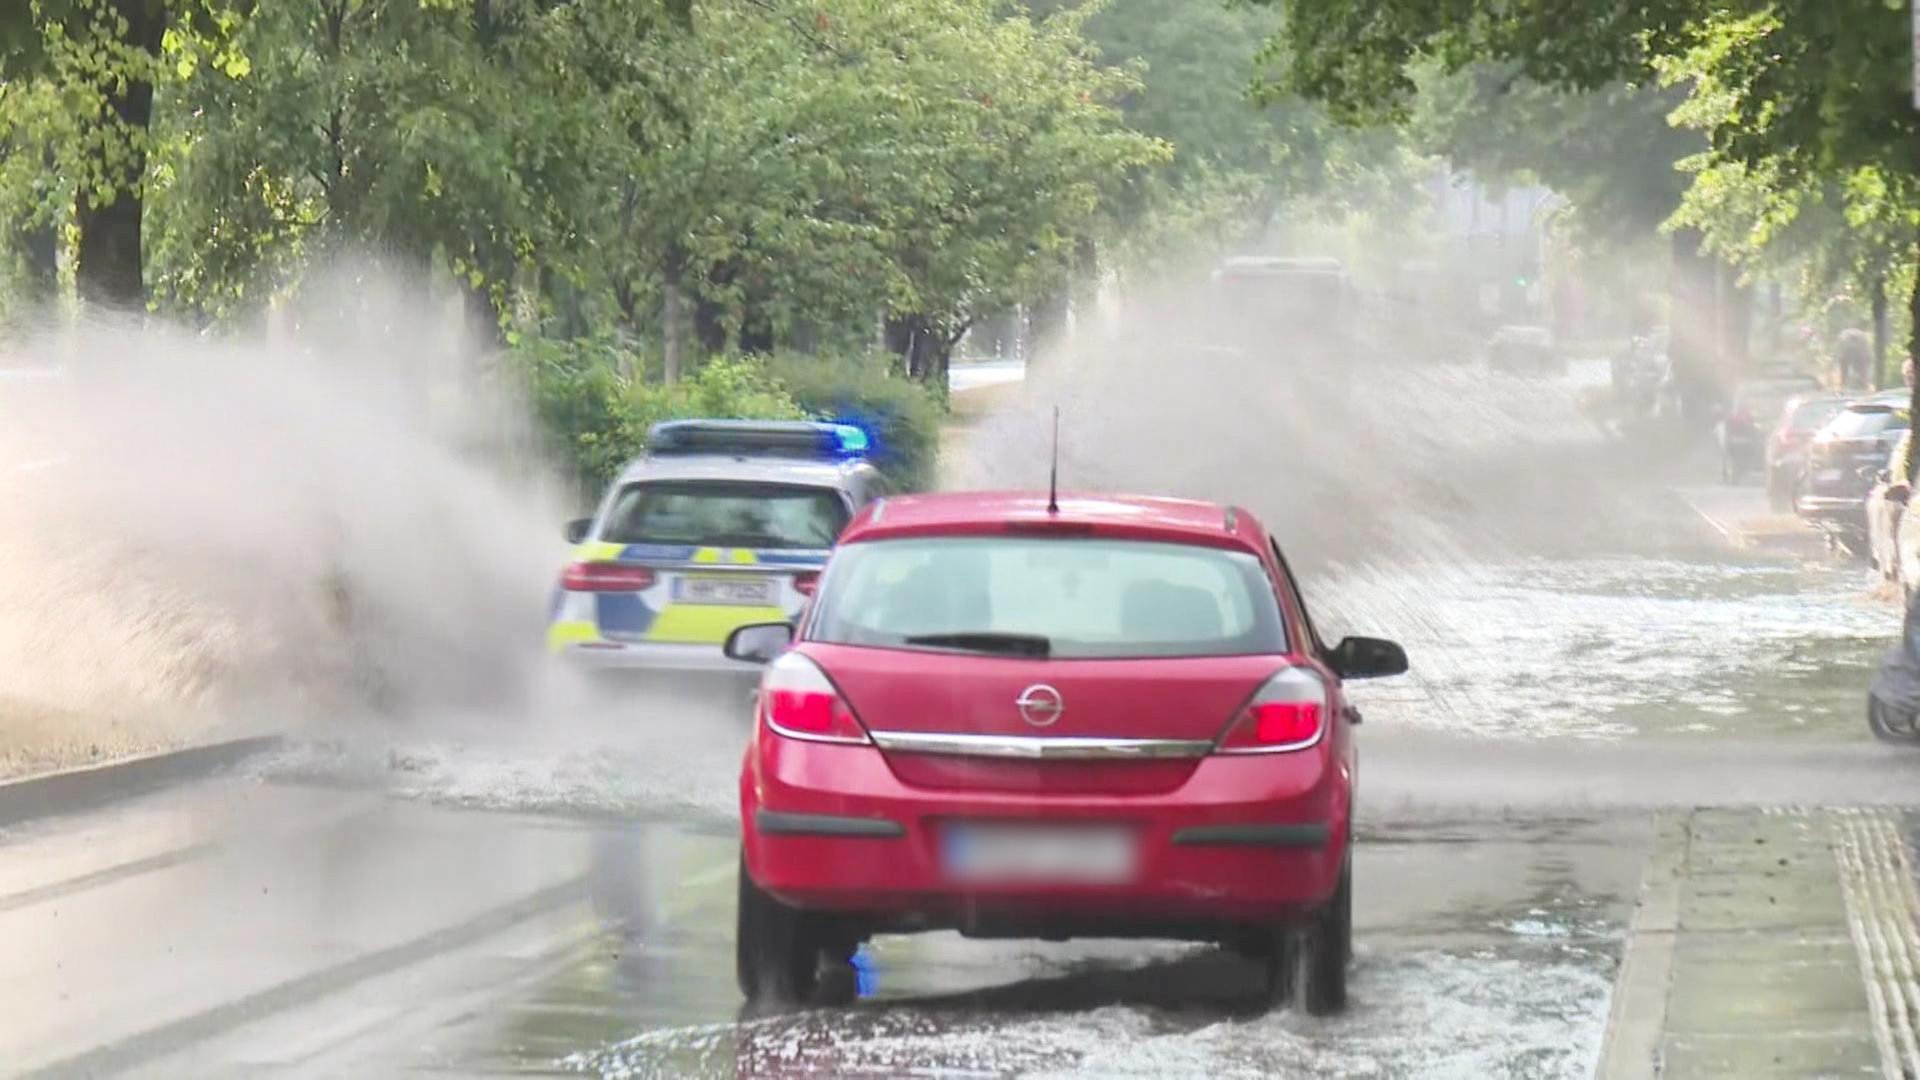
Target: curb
(69,790)
(1744,537)
(1636,1022)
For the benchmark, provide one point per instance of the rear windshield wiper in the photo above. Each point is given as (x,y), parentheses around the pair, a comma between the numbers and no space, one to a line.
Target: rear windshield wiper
(986,641)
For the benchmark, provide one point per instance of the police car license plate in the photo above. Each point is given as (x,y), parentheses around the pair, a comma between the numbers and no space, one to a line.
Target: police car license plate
(738,591)
(1039,854)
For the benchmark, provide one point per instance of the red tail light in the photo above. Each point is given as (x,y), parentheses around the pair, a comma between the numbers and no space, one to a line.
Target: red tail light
(606,577)
(1289,713)
(806,583)
(1740,416)
(799,701)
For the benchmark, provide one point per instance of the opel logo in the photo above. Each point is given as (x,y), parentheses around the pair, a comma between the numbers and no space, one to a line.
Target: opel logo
(1040,705)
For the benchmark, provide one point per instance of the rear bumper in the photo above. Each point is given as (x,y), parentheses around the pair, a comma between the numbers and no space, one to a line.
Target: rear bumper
(1833,509)
(1245,841)
(618,656)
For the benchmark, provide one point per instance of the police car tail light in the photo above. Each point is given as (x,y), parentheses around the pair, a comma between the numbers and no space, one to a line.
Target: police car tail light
(606,577)
(806,583)
(1288,713)
(799,701)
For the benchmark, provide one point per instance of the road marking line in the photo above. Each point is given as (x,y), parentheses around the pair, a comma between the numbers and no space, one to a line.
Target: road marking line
(105,875)
(171,1037)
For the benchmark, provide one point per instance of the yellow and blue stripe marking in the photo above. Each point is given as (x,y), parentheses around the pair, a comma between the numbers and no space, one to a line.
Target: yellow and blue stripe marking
(652,615)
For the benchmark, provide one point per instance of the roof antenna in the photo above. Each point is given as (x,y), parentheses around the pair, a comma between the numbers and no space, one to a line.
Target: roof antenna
(1053,480)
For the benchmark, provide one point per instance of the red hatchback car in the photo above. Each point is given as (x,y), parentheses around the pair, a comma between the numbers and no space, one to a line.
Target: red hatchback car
(1109,718)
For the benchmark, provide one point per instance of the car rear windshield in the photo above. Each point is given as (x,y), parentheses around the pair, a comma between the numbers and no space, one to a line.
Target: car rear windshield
(726,514)
(1859,423)
(1083,598)
(1812,414)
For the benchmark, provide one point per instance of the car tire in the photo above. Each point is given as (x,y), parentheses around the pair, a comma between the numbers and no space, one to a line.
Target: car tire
(1278,969)
(776,948)
(1324,950)
(1890,725)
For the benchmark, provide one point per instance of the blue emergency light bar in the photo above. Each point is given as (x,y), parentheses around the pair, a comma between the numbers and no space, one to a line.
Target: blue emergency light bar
(758,438)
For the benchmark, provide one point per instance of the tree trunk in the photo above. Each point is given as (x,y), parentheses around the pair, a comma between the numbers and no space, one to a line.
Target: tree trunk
(1085,298)
(1736,321)
(673,312)
(1693,323)
(1877,293)
(906,337)
(1776,316)
(1048,324)
(42,246)
(1913,357)
(110,262)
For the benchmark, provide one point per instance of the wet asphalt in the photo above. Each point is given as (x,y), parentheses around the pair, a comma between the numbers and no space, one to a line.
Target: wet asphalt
(559,899)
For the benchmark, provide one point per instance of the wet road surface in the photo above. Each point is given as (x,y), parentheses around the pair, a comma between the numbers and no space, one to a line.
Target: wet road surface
(556,897)
(237,926)
(369,906)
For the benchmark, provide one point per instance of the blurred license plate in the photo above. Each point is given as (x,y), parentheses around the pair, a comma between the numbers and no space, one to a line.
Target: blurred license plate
(738,591)
(1039,854)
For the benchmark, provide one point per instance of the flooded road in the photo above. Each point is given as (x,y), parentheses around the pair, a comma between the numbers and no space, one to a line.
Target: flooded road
(554,895)
(310,933)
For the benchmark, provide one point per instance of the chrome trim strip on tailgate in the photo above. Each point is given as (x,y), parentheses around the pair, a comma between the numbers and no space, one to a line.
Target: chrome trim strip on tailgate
(1033,748)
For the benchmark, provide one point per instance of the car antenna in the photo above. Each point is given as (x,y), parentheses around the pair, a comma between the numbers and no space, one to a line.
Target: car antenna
(1053,478)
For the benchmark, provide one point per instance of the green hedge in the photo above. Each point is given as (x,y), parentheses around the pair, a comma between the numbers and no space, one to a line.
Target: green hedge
(901,415)
(597,419)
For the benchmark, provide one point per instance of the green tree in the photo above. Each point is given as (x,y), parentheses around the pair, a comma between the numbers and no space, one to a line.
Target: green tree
(102,58)
(1800,89)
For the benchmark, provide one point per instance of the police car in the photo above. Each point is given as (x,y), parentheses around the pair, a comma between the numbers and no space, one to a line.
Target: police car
(723,523)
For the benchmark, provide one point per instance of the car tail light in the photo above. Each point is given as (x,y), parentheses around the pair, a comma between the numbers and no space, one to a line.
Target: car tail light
(1288,713)
(799,701)
(806,583)
(1741,417)
(606,577)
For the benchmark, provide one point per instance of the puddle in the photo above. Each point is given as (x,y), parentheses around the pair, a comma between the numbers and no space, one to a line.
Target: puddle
(1412,1015)
(1614,648)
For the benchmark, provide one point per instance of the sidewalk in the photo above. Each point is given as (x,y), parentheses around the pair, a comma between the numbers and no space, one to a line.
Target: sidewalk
(1771,944)
(1741,514)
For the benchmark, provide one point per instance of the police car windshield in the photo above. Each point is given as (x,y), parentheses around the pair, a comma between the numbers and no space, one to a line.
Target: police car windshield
(1064,598)
(726,514)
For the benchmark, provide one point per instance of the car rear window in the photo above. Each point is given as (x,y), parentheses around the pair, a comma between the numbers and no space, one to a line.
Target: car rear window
(726,514)
(1858,423)
(1813,413)
(1089,598)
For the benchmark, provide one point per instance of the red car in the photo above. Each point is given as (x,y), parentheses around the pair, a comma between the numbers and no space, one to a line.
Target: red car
(1109,717)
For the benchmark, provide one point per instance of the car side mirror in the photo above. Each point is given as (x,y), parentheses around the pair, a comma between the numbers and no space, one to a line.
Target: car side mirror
(1368,658)
(578,530)
(759,643)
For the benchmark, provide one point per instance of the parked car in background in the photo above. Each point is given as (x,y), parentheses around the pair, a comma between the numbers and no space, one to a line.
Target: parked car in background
(1843,462)
(1524,348)
(1799,420)
(1741,433)
(1886,507)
